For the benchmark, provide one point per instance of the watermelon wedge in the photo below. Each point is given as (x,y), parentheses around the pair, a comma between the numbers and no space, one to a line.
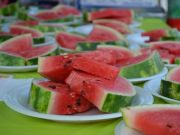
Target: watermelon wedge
(116,25)
(19,30)
(56,98)
(106,13)
(141,66)
(173,75)
(46,15)
(107,96)
(55,68)
(156,35)
(21,46)
(64,10)
(95,68)
(119,53)
(68,40)
(153,120)
(103,34)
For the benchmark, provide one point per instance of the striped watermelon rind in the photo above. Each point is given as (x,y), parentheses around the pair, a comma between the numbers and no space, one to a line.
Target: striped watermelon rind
(148,67)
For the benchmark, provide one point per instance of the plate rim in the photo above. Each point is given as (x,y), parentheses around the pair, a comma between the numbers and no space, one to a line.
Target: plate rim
(18,107)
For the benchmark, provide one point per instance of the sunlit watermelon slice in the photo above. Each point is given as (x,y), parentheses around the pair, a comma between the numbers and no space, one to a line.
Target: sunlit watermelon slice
(56,98)
(103,34)
(19,30)
(68,40)
(116,25)
(153,120)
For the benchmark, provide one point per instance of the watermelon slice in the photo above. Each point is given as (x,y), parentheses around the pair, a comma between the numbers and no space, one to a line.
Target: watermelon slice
(27,23)
(153,120)
(64,10)
(21,46)
(46,15)
(19,30)
(103,34)
(116,25)
(56,98)
(95,68)
(156,35)
(172,46)
(141,66)
(55,68)
(68,40)
(105,13)
(119,53)
(107,96)
(173,75)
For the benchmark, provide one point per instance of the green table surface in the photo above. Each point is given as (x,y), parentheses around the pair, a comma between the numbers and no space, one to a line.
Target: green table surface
(13,123)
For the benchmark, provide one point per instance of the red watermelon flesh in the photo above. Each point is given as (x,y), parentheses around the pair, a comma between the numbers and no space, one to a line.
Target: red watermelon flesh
(105,13)
(153,120)
(56,68)
(96,89)
(155,35)
(166,56)
(64,10)
(27,23)
(116,25)
(100,56)
(19,30)
(22,46)
(119,53)
(95,68)
(68,40)
(172,46)
(46,15)
(103,34)
(64,100)
(173,75)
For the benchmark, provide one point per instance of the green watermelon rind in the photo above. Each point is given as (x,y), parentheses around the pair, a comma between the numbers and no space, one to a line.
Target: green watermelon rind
(10,9)
(170,89)
(149,67)
(40,98)
(83,46)
(177,61)
(113,102)
(47,28)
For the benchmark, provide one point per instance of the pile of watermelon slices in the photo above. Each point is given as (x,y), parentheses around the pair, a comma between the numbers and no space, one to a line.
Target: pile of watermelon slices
(78,82)
(19,51)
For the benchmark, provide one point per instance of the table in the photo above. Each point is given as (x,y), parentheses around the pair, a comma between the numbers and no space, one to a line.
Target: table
(13,123)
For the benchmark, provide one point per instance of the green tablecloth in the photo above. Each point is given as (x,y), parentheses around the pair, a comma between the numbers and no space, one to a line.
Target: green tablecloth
(13,123)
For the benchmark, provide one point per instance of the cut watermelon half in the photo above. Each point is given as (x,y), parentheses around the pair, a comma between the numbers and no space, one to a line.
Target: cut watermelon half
(116,25)
(153,120)
(141,66)
(119,53)
(64,10)
(56,98)
(103,34)
(95,68)
(46,15)
(21,46)
(105,13)
(107,96)
(19,30)
(68,40)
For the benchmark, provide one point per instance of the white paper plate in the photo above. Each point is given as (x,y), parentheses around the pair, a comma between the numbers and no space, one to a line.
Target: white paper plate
(48,41)
(122,129)
(153,86)
(160,75)
(17,98)
(10,69)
